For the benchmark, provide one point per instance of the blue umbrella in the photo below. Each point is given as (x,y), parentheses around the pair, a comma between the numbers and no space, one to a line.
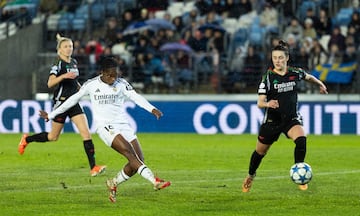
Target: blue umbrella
(158,23)
(212,26)
(135,28)
(175,46)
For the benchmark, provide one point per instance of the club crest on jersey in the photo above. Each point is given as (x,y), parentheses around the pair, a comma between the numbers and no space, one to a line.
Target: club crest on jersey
(114,89)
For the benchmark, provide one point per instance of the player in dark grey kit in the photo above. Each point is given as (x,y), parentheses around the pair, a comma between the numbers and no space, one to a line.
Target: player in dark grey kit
(278,95)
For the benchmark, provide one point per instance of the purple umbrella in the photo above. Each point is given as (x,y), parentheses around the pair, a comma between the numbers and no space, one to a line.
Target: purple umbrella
(135,28)
(158,23)
(175,46)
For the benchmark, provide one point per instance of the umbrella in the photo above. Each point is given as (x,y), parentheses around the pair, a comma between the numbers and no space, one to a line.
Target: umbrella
(135,28)
(158,23)
(211,26)
(175,46)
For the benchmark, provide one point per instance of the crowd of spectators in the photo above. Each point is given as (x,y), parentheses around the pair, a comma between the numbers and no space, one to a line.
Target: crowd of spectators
(315,39)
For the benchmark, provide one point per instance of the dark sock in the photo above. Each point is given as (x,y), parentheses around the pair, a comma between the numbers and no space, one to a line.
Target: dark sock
(90,152)
(255,162)
(300,149)
(40,137)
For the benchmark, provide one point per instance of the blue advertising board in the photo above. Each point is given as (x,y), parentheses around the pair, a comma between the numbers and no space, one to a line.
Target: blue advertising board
(202,117)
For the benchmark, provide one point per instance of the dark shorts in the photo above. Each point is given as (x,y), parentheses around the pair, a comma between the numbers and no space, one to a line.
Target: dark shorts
(73,111)
(270,131)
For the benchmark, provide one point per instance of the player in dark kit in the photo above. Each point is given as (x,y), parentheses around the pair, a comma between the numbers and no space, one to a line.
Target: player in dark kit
(278,95)
(63,75)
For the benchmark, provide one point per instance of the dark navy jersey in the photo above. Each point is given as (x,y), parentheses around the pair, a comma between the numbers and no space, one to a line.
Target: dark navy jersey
(66,87)
(284,89)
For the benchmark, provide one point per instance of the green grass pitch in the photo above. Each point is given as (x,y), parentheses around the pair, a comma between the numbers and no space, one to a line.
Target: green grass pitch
(206,173)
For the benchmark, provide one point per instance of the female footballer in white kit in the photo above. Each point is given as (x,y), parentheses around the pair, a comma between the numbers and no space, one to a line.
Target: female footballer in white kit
(107,94)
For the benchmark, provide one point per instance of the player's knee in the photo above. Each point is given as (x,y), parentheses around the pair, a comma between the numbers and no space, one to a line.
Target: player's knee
(300,142)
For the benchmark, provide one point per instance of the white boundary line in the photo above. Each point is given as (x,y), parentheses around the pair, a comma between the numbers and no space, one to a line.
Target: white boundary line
(70,187)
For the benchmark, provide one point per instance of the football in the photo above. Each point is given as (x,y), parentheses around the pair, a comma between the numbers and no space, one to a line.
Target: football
(301,173)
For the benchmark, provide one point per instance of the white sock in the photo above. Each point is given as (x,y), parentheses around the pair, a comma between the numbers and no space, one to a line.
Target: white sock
(121,177)
(146,173)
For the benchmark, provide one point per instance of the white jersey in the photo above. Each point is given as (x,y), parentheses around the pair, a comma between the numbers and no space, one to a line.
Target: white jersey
(107,100)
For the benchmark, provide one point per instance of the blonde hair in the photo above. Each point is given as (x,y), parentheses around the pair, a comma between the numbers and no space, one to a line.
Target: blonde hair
(59,40)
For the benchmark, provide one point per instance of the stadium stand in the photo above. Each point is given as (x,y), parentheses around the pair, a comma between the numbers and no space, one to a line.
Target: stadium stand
(87,21)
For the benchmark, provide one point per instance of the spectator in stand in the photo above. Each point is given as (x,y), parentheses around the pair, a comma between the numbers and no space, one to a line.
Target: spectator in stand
(170,36)
(337,38)
(355,21)
(123,68)
(252,69)
(186,36)
(111,32)
(335,54)
(153,71)
(309,30)
(178,23)
(193,16)
(93,49)
(182,66)
(318,55)
(293,47)
(203,6)
(153,5)
(231,9)
(212,18)
(141,47)
(294,28)
(350,54)
(307,43)
(310,13)
(269,17)
(127,19)
(217,7)
(198,42)
(144,14)
(325,24)
(217,43)
(302,59)
(351,31)
(179,26)
(245,6)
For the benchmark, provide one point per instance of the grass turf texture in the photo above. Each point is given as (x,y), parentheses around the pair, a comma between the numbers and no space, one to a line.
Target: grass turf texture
(206,173)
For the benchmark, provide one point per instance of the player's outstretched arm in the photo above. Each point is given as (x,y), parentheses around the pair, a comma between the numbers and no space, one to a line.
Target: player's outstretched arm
(44,115)
(311,78)
(157,113)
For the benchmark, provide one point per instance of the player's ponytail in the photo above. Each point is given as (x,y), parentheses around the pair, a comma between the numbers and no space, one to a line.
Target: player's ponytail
(59,40)
(282,46)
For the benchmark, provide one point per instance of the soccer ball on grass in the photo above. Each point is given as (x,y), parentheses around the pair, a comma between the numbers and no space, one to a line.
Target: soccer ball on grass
(301,173)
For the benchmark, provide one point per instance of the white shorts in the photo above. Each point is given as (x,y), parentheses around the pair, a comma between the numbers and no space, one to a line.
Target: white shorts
(108,132)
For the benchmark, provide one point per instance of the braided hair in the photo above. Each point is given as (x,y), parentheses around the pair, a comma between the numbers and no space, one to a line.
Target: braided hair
(107,63)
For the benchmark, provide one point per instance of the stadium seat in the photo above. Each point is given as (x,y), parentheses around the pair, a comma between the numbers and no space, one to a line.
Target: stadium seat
(111,8)
(82,11)
(65,21)
(78,24)
(230,24)
(305,5)
(52,22)
(240,36)
(97,13)
(343,17)
(160,14)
